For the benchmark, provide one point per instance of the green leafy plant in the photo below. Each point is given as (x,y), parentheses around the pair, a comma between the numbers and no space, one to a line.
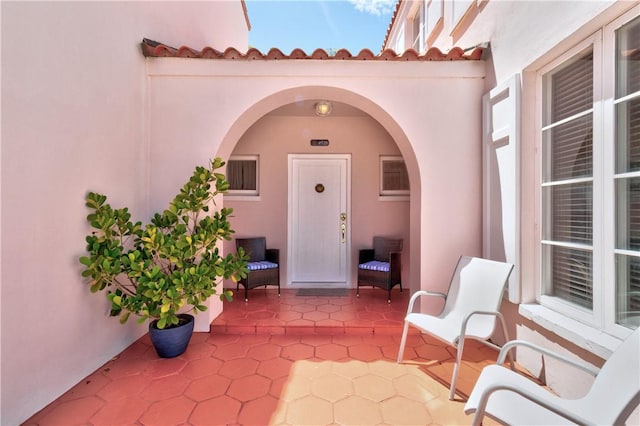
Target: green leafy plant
(156,270)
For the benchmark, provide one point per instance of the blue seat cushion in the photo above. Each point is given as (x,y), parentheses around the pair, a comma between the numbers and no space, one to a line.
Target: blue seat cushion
(256,266)
(375,265)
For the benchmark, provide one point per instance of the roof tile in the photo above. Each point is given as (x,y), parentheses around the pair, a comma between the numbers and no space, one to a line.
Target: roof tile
(155,49)
(410,55)
(253,54)
(275,53)
(455,53)
(187,52)
(343,54)
(319,54)
(210,53)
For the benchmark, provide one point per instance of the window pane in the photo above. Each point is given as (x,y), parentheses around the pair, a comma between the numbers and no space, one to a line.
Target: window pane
(568,213)
(567,155)
(418,24)
(569,274)
(569,89)
(628,59)
(434,14)
(241,174)
(568,150)
(628,213)
(628,291)
(628,136)
(460,8)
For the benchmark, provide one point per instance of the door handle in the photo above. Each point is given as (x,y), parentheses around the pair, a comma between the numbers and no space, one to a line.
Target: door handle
(343,227)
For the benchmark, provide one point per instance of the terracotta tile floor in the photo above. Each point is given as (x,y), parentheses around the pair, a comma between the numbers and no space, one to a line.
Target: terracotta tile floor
(283,361)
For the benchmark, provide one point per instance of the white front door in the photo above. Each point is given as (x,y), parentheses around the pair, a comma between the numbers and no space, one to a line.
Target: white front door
(319,220)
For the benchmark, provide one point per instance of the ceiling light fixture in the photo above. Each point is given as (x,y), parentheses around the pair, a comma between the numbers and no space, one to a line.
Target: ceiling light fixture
(323,108)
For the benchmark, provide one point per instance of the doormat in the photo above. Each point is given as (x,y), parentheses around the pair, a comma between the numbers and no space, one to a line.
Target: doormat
(327,292)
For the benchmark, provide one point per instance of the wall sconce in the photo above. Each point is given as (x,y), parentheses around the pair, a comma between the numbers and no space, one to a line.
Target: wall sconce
(323,108)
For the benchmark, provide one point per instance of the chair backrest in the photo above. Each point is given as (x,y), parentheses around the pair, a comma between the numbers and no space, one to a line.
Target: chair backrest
(477,285)
(255,247)
(616,389)
(383,246)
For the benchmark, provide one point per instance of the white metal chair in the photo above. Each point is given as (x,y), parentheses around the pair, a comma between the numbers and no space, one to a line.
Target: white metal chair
(511,398)
(470,310)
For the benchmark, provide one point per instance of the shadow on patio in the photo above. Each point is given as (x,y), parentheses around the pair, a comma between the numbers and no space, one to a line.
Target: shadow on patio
(288,360)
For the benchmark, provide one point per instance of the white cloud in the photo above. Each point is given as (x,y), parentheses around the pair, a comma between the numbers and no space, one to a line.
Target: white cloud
(374,7)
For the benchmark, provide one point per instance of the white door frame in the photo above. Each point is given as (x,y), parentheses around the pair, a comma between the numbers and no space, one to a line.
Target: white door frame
(290,236)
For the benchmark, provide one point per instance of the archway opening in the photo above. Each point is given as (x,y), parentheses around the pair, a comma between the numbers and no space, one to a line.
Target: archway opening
(286,123)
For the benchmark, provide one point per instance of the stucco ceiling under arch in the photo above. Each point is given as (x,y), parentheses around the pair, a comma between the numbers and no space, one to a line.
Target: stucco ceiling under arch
(299,101)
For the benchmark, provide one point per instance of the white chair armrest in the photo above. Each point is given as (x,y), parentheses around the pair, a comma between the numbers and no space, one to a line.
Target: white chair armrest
(546,403)
(493,313)
(419,293)
(463,327)
(577,364)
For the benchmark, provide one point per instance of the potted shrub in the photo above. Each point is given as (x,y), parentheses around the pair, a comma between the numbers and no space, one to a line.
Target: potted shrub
(170,266)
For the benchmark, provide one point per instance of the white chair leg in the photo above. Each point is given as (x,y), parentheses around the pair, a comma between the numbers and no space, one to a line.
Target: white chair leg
(506,339)
(403,341)
(456,367)
(477,420)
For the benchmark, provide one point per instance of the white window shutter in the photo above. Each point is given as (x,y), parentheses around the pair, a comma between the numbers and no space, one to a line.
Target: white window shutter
(501,178)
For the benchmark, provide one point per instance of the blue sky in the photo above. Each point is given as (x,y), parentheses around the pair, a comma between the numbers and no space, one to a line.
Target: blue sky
(312,24)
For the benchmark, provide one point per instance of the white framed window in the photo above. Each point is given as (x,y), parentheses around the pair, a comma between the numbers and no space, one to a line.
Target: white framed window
(394,179)
(418,26)
(589,144)
(243,172)
(459,9)
(400,42)
(434,14)
(626,174)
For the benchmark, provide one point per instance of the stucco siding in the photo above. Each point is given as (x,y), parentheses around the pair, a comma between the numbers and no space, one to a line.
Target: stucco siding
(74,119)
(431,111)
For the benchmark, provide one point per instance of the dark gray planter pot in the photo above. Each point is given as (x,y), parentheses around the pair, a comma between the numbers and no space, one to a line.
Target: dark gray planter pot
(171,342)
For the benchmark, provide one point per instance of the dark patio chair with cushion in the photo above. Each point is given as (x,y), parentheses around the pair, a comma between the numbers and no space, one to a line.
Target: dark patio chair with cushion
(380,266)
(263,265)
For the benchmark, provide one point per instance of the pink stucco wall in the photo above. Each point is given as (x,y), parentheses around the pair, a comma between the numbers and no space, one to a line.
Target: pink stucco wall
(74,119)
(423,106)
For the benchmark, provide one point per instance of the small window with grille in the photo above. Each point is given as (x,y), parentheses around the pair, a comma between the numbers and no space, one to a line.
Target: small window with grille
(394,179)
(242,174)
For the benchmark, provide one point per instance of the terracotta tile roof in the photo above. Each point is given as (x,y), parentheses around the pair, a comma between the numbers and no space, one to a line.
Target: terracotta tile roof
(393,21)
(155,49)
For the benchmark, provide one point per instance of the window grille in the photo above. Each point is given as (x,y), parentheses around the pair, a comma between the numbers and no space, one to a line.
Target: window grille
(394,179)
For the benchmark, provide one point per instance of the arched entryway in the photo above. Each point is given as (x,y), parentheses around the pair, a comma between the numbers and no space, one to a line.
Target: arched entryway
(278,126)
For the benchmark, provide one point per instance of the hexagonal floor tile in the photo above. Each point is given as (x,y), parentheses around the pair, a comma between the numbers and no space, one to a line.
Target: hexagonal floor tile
(356,410)
(332,387)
